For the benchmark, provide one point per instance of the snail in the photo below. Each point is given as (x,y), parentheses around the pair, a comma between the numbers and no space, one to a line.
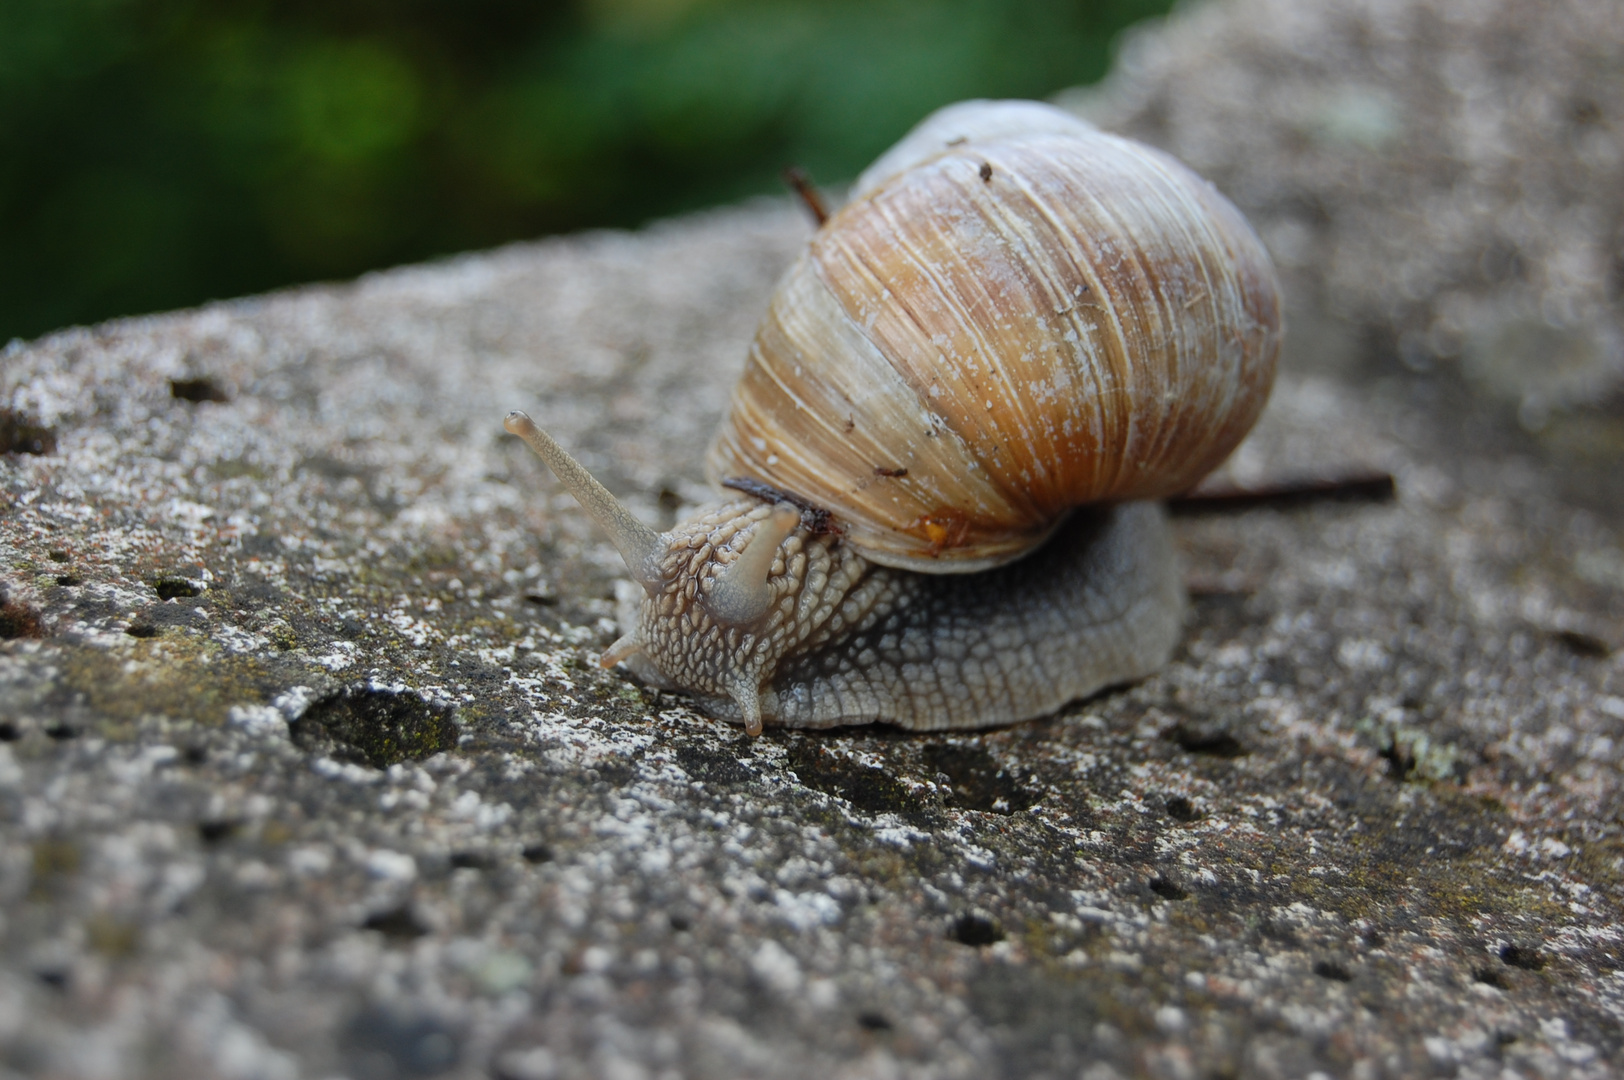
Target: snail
(944,454)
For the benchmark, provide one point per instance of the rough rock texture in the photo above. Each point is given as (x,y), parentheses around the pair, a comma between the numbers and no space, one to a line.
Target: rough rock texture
(306,768)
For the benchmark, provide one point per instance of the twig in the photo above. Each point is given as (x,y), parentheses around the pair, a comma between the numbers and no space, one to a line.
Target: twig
(1230,498)
(798,179)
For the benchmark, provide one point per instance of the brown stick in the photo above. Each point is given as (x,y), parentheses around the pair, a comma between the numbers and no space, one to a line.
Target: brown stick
(798,179)
(1360,486)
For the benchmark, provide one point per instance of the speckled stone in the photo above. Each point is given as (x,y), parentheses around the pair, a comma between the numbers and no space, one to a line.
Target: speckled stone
(307,770)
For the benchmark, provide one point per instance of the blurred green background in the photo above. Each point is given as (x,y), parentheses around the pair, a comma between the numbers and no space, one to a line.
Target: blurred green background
(158,153)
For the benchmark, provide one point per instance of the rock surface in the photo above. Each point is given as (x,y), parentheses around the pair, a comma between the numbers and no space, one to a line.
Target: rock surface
(306,768)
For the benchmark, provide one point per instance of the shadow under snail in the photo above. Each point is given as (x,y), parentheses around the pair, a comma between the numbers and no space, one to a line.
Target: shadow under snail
(952,427)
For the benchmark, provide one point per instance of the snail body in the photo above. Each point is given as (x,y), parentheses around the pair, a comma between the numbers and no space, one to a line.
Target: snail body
(1014,317)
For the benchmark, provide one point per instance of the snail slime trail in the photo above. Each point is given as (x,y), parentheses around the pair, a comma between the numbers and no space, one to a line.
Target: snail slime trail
(953,429)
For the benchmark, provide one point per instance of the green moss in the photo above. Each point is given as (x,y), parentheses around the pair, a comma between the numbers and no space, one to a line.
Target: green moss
(434,557)
(54,861)
(235,469)
(176,674)
(1440,858)
(113,938)
(1413,753)
(884,866)
(281,635)
(55,858)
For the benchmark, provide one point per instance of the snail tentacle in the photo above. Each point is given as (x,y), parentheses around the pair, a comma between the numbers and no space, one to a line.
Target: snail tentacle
(740,593)
(638,544)
(625,647)
(747,696)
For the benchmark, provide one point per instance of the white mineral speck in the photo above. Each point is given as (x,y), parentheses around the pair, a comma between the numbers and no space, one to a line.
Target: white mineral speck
(391,865)
(776,968)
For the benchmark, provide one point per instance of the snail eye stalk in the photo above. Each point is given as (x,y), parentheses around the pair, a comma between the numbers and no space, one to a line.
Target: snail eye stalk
(637,543)
(740,594)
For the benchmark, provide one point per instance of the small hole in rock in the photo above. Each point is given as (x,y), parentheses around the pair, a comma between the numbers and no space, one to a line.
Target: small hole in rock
(681,923)
(1505,1038)
(977,781)
(670,504)
(1491,977)
(398,923)
(1214,742)
(18,620)
(873,1021)
(873,790)
(471,860)
(141,630)
(1400,758)
(212,832)
(195,755)
(1330,969)
(20,435)
(1166,889)
(398,1045)
(199,389)
(537,853)
(61,732)
(1523,956)
(375,727)
(177,588)
(1278,931)
(1180,808)
(1584,644)
(8,731)
(55,978)
(1585,111)
(975,930)
(541,597)
(69,580)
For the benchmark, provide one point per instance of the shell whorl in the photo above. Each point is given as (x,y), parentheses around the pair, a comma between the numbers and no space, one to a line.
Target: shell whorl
(1002,327)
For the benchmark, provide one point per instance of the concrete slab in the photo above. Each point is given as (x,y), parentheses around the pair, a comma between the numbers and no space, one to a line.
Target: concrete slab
(306,768)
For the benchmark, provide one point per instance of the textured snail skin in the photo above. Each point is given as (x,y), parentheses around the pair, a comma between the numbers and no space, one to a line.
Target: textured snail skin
(847,641)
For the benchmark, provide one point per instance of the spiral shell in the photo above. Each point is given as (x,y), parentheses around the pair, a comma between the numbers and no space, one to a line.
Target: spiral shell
(1015,315)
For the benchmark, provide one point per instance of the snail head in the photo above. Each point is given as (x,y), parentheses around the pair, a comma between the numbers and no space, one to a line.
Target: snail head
(726,591)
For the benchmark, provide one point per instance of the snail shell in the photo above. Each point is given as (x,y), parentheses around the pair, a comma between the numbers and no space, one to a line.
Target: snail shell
(1014,317)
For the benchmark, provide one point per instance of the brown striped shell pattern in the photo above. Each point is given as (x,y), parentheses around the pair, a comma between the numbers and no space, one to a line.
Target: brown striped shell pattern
(997,329)
(1014,316)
